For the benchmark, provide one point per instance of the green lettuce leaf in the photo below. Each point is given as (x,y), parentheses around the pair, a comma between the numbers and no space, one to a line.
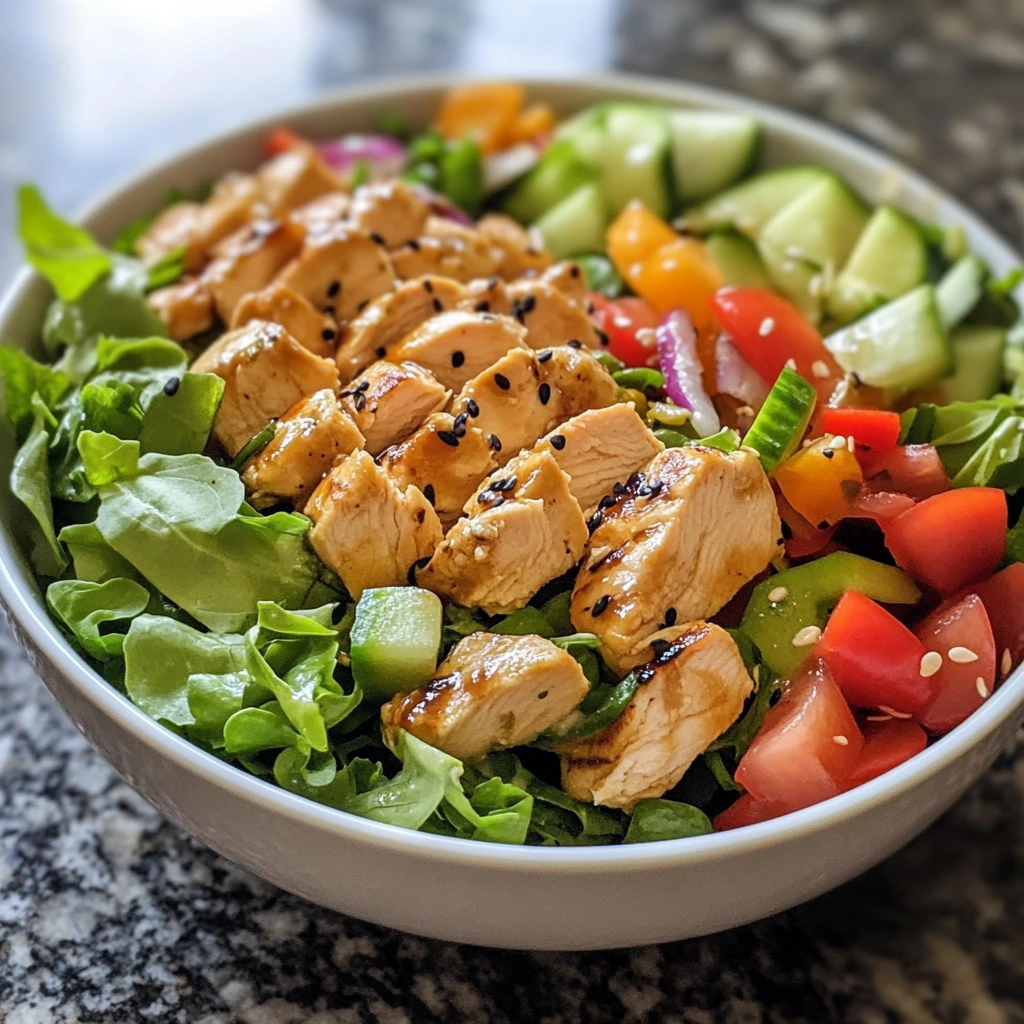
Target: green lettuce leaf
(180,423)
(252,730)
(93,558)
(85,607)
(495,812)
(24,377)
(213,699)
(654,820)
(66,255)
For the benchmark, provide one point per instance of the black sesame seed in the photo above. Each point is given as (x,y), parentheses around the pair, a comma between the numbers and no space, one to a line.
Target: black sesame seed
(488,317)
(528,304)
(327,334)
(600,605)
(508,484)
(428,493)
(378,238)
(655,487)
(644,492)
(420,563)
(363,385)
(557,442)
(381,352)
(362,305)
(472,408)
(857,382)
(487,497)
(670,616)
(359,401)
(427,286)
(482,307)
(449,437)
(333,288)
(604,340)
(545,356)
(458,358)
(171,386)
(574,343)
(659,646)
(329,310)
(438,305)
(828,453)
(345,394)
(502,381)
(494,442)
(542,694)
(459,427)
(421,515)
(594,521)
(606,502)
(590,308)
(544,393)
(413,244)
(618,488)
(645,674)
(574,270)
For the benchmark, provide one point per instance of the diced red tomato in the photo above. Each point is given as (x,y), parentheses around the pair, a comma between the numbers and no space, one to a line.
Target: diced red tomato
(745,811)
(807,747)
(874,658)
(770,331)
(913,469)
(880,506)
(280,140)
(951,539)
(1003,597)
(874,431)
(886,745)
(620,319)
(961,633)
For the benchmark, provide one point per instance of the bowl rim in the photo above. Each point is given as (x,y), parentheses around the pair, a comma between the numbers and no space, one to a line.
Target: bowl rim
(33,621)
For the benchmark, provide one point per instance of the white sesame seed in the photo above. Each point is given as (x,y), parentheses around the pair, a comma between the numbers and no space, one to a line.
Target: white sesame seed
(820,368)
(982,688)
(892,712)
(807,442)
(744,410)
(1007,663)
(479,553)
(838,443)
(851,444)
(962,655)
(807,636)
(778,594)
(930,663)
(841,740)
(767,326)
(790,364)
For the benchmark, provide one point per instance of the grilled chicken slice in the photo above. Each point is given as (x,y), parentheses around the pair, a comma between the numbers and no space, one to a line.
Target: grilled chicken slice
(486,295)
(567,277)
(390,210)
(248,260)
(447,249)
(322,213)
(511,402)
(367,529)
(341,268)
(311,436)
(457,346)
(520,252)
(521,533)
(265,371)
(689,694)
(390,400)
(186,307)
(491,691)
(679,541)
(278,304)
(295,177)
(549,315)
(578,380)
(445,459)
(386,320)
(177,227)
(598,449)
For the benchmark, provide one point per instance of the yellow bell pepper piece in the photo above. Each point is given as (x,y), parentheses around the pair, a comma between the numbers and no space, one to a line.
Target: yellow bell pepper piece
(633,236)
(680,275)
(536,120)
(483,112)
(821,480)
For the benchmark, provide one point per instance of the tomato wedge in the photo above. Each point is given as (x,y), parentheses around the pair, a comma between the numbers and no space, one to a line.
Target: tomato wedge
(807,747)
(770,331)
(913,469)
(880,505)
(620,319)
(279,140)
(1003,597)
(960,632)
(745,811)
(886,745)
(874,431)
(874,658)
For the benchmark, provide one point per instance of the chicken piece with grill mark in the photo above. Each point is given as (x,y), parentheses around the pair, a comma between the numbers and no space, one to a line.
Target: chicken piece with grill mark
(279,304)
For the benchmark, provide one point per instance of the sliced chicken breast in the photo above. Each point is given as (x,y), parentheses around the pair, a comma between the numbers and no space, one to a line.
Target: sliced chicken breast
(248,260)
(367,529)
(680,539)
(510,403)
(521,253)
(598,449)
(186,307)
(567,277)
(521,533)
(689,694)
(341,269)
(322,213)
(390,210)
(446,459)
(577,379)
(279,304)
(487,295)
(176,227)
(457,346)
(295,177)
(229,207)
(549,315)
(447,249)
(265,371)
(490,692)
(311,436)
(386,320)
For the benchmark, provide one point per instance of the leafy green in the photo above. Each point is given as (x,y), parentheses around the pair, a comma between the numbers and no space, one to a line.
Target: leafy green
(524,622)
(601,275)
(94,559)
(24,377)
(66,255)
(599,709)
(179,422)
(214,698)
(86,607)
(166,270)
(455,169)
(738,737)
(494,812)
(654,820)
(640,378)
(251,730)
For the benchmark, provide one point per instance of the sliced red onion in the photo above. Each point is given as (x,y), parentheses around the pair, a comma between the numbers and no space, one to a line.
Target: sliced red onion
(501,169)
(442,206)
(677,357)
(385,154)
(736,376)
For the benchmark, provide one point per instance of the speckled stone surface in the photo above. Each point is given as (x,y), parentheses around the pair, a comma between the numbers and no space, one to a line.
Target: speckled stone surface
(109,914)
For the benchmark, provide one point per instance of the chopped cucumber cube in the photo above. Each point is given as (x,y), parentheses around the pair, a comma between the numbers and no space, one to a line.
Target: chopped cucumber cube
(780,425)
(978,353)
(737,258)
(634,162)
(395,640)
(576,224)
(710,150)
(559,173)
(960,289)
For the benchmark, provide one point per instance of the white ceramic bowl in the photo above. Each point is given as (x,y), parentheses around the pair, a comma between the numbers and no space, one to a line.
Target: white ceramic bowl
(476,892)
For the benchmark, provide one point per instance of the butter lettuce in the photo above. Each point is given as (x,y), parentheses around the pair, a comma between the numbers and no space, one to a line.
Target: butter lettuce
(84,607)
(654,820)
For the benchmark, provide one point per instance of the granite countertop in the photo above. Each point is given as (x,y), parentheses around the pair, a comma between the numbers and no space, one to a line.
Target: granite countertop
(109,914)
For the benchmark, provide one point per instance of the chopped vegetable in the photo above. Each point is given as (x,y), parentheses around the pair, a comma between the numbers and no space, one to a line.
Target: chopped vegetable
(680,363)
(782,421)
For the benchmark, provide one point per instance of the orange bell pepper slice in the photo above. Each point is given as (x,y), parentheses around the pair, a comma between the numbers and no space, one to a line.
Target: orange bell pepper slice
(633,236)
(535,121)
(483,112)
(821,481)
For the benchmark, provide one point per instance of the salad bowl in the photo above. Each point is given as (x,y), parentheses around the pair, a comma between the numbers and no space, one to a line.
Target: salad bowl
(449,888)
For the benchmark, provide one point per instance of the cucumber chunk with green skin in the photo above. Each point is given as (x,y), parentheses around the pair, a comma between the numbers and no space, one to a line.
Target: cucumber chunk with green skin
(890,258)
(395,640)
(634,162)
(586,134)
(811,592)
(978,353)
(960,289)
(900,346)
(737,258)
(751,204)
(576,224)
(779,426)
(710,150)
(559,173)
